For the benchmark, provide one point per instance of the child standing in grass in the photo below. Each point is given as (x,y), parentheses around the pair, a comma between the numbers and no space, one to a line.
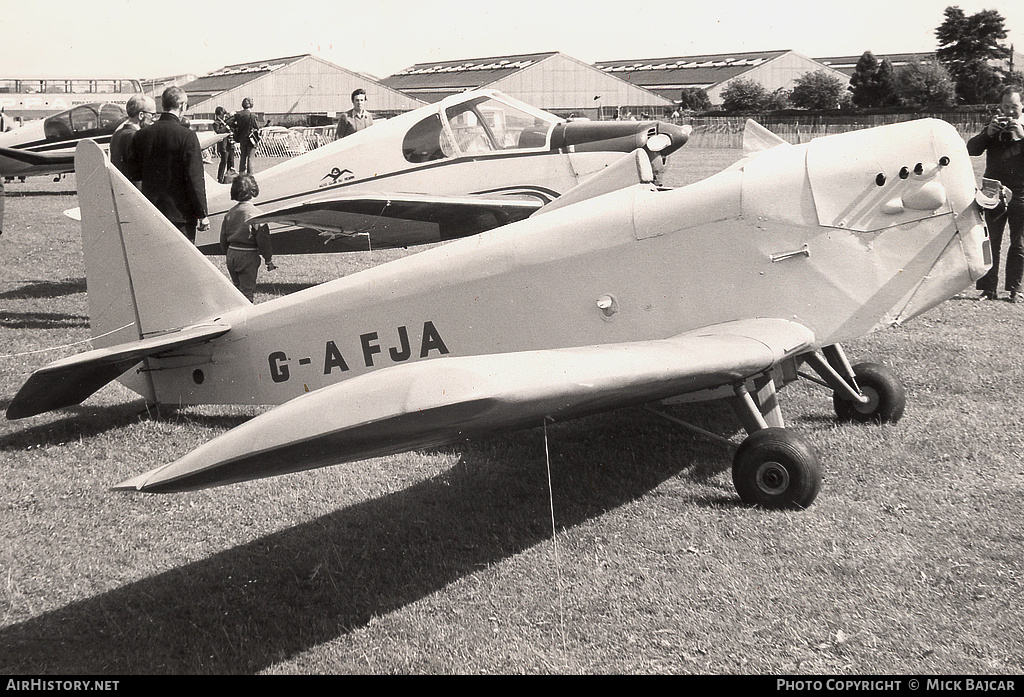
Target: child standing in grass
(243,244)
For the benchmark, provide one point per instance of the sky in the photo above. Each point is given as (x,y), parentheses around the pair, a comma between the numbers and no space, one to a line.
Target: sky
(151,39)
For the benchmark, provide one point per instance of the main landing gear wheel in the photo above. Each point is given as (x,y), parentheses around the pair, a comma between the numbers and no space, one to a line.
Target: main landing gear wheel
(886,396)
(776,468)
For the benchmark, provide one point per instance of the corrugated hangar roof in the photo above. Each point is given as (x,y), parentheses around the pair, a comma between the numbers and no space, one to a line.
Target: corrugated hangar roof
(680,72)
(847,64)
(231,76)
(459,75)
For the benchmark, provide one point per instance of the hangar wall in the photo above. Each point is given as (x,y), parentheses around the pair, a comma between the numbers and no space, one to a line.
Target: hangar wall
(309,85)
(562,85)
(779,73)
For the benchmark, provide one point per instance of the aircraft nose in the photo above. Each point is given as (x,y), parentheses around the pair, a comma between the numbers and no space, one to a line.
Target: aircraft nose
(675,135)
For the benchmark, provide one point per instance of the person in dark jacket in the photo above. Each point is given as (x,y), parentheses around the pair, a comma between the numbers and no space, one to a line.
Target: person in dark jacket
(167,159)
(141,110)
(243,124)
(1002,141)
(225,147)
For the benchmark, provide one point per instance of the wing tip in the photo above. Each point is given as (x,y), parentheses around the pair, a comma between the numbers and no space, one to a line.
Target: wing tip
(136,483)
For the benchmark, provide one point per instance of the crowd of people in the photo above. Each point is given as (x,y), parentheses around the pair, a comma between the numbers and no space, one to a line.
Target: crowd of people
(165,161)
(163,158)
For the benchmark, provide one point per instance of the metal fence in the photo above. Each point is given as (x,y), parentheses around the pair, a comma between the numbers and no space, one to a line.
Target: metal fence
(285,142)
(727,131)
(708,131)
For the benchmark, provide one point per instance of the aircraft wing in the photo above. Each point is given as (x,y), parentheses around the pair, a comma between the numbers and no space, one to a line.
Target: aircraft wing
(67,382)
(210,138)
(28,157)
(370,221)
(430,403)
(14,161)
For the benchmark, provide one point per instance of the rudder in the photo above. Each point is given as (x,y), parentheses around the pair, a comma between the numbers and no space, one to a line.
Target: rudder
(143,276)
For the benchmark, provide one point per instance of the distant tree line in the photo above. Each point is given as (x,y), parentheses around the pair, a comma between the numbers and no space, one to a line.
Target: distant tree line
(966,70)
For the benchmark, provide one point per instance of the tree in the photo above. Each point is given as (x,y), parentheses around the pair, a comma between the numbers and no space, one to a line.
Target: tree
(817,90)
(871,84)
(694,99)
(977,82)
(966,46)
(779,99)
(963,39)
(924,85)
(743,94)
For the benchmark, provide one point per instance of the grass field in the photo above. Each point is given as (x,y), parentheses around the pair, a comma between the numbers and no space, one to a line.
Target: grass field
(910,561)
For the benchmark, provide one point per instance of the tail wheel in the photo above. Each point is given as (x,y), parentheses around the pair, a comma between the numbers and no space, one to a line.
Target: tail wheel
(776,468)
(886,395)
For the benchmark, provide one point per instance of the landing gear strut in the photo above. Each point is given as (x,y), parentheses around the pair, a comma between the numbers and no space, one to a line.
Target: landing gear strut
(866,392)
(886,396)
(773,467)
(776,468)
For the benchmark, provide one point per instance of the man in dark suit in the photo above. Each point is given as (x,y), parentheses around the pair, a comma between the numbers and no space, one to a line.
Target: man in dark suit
(167,159)
(243,124)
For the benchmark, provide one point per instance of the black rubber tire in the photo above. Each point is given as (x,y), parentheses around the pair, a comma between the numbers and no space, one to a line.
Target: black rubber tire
(776,468)
(888,397)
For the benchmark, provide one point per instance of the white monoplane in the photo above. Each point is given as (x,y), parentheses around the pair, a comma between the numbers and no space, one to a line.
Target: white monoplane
(720,289)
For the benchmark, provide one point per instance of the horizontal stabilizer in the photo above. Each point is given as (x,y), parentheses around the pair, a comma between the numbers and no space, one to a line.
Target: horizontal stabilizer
(372,221)
(71,380)
(429,403)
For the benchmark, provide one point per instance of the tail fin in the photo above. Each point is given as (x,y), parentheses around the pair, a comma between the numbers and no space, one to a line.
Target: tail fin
(757,138)
(143,276)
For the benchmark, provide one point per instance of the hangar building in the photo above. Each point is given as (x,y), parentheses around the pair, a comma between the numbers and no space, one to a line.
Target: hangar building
(288,87)
(848,64)
(551,81)
(668,77)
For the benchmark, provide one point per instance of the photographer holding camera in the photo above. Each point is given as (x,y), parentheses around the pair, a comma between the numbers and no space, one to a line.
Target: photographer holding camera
(1003,143)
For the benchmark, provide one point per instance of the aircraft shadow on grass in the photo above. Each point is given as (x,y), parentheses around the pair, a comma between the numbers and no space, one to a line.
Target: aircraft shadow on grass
(45,289)
(86,422)
(15,193)
(345,568)
(41,320)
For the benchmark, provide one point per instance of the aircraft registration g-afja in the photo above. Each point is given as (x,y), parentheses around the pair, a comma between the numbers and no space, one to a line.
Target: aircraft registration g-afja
(47,146)
(468,163)
(721,289)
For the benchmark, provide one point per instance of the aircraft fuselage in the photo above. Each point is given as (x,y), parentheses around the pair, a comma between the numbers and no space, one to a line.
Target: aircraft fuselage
(799,232)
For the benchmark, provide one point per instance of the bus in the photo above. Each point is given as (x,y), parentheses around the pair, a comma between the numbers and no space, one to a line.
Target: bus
(25,99)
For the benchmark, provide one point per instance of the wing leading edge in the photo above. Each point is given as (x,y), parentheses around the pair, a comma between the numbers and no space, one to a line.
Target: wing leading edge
(434,402)
(368,221)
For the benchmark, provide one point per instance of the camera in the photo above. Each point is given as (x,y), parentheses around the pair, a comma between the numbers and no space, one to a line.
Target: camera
(1004,123)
